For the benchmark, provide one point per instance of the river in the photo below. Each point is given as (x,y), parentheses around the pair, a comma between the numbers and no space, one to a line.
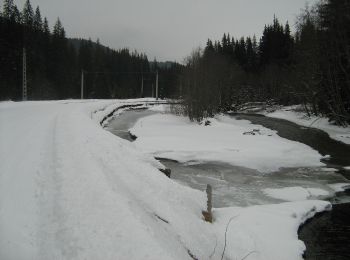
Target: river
(238,186)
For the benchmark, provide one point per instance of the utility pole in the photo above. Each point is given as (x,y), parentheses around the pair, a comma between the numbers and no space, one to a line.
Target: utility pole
(142,86)
(82,85)
(157,85)
(24,90)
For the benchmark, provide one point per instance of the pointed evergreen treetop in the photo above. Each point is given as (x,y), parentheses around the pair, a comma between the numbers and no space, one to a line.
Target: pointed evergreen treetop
(287,29)
(58,30)
(16,15)
(38,22)
(46,28)
(8,8)
(27,14)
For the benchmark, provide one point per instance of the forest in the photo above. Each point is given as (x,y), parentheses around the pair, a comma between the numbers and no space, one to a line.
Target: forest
(310,66)
(55,63)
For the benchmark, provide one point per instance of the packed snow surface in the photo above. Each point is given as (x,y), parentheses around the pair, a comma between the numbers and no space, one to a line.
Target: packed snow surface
(291,113)
(237,142)
(71,190)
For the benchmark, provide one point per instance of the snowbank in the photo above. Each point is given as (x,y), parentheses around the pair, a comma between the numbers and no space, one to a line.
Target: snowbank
(339,187)
(70,190)
(290,113)
(237,142)
(265,232)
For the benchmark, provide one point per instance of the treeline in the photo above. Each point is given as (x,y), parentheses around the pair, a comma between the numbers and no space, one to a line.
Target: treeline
(55,63)
(311,67)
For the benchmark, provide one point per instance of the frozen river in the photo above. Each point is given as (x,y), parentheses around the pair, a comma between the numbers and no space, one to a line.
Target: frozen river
(238,186)
(326,235)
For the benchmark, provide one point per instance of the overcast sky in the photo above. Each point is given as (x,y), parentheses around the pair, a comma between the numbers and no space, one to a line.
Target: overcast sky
(165,29)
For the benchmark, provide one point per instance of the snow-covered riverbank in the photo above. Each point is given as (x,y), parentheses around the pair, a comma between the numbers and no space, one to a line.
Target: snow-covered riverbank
(295,115)
(71,190)
(227,140)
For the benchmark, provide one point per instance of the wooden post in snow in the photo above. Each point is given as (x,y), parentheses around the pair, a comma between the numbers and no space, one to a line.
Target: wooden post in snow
(208,215)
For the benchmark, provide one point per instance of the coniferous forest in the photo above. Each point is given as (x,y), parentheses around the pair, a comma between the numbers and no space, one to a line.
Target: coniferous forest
(310,66)
(55,63)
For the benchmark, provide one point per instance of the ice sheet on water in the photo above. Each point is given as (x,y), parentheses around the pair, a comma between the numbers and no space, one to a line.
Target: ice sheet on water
(238,186)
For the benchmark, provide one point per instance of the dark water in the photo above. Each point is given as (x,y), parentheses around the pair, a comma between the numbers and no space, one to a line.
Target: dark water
(121,124)
(327,236)
(317,139)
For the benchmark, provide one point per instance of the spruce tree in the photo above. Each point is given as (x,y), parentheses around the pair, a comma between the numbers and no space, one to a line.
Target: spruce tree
(37,22)
(27,14)
(46,28)
(335,64)
(58,30)
(8,8)
(16,15)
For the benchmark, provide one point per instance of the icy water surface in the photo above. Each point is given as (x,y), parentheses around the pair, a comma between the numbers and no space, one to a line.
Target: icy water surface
(120,124)
(238,186)
(327,235)
(339,152)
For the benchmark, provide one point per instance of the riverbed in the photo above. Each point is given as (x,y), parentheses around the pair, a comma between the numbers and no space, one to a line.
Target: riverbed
(239,186)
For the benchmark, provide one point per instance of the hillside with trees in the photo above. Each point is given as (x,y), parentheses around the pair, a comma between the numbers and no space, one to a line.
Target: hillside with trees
(55,63)
(309,67)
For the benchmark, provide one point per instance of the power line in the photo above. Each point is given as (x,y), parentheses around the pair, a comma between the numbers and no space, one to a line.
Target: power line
(83,72)
(105,72)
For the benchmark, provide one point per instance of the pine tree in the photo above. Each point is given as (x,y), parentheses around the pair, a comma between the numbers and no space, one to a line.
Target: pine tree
(58,30)
(335,64)
(8,8)
(250,55)
(209,47)
(46,28)
(37,22)
(27,14)
(16,15)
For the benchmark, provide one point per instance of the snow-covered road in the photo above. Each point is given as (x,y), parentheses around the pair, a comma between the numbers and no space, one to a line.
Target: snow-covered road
(70,190)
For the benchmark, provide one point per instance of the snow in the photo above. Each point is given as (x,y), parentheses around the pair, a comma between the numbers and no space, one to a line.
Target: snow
(266,232)
(164,108)
(295,193)
(290,113)
(328,169)
(68,189)
(71,190)
(339,187)
(236,142)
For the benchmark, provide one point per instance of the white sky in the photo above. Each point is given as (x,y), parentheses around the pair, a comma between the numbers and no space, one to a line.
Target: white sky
(165,29)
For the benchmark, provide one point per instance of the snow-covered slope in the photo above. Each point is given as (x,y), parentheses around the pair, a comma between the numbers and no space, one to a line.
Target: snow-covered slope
(70,190)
